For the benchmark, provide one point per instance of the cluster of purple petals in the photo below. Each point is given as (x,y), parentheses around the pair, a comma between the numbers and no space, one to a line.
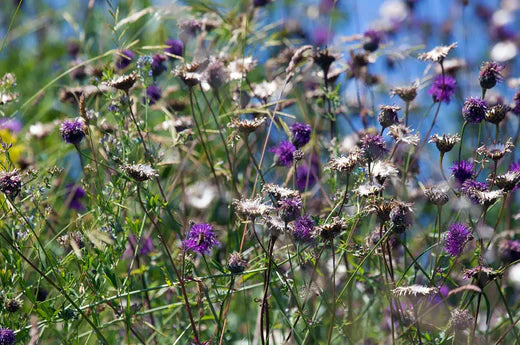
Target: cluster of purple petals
(11,124)
(301,134)
(373,147)
(474,110)
(74,195)
(284,152)
(290,209)
(469,186)
(153,92)
(515,167)
(201,239)
(145,248)
(175,47)
(462,170)
(306,176)
(124,59)
(7,336)
(302,229)
(158,65)
(72,131)
(442,91)
(458,234)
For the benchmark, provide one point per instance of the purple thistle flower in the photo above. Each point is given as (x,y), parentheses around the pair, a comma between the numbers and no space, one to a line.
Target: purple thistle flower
(11,124)
(462,170)
(301,134)
(175,47)
(321,35)
(442,91)
(10,183)
(201,239)
(158,66)
(74,195)
(490,75)
(373,147)
(516,103)
(469,187)
(372,40)
(458,234)
(7,336)
(290,209)
(154,93)
(72,131)
(302,229)
(305,177)
(284,152)
(125,58)
(509,250)
(474,110)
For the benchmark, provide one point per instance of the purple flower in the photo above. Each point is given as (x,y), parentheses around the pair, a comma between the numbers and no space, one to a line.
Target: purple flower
(305,177)
(442,91)
(516,103)
(146,246)
(474,110)
(490,75)
(509,250)
(201,239)
(158,66)
(11,124)
(372,40)
(515,167)
(10,183)
(72,131)
(74,195)
(284,152)
(289,209)
(462,170)
(373,147)
(302,229)
(154,93)
(321,35)
(458,234)
(175,47)
(301,134)
(125,58)
(469,188)
(260,3)
(6,336)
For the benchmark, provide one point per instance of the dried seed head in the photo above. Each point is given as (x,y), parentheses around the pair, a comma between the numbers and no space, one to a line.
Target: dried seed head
(406,93)
(124,82)
(460,320)
(12,305)
(490,74)
(497,113)
(236,263)
(403,134)
(445,142)
(247,126)
(274,226)
(279,192)
(437,54)
(495,151)
(436,195)
(251,208)
(330,230)
(140,172)
(388,115)
(10,183)
(346,164)
(324,59)
(507,181)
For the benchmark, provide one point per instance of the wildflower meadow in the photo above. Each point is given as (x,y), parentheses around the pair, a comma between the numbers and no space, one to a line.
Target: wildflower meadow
(259,172)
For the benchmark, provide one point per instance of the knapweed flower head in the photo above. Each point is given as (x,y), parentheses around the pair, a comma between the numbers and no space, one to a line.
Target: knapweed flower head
(189,74)
(10,183)
(437,54)
(371,40)
(346,164)
(236,263)
(444,142)
(403,134)
(373,147)
(301,134)
(443,88)
(490,74)
(274,226)
(302,229)
(74,195)
(12,305)
(158,66)
(124,59)
(406,93)
(279,192)
(251,208)
(216,74)
(436,195)
(174,47)
(7,336)
(73,131)
(153,93)
(458,235)
(201,239)
(474,110)
(237,69)
(140,172)
(124,82)
(509,250)
(290,208)
(495,151)
(470,187)
(401,215)
(382,170)
(388,115)
(332,229)
(462,170)
(516,103)
(508,181)
(284,153)
(481,274)
(324,59)
(305,177)
(497,113)
(488,197)
(461,319)
(247,126)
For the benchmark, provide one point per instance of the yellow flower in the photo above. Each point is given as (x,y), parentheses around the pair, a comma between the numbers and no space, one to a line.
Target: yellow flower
(14,152)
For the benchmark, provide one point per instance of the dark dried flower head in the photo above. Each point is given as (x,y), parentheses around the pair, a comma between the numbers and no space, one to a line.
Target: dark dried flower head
(371,40)
(124,82)
(388,115)
(290,208)
(73,240)
(10,183)
(298,155)
(302,229)
(470,188)
(373,147)
(382,170)
(445,142)
(200,239)
(403,134)
(443,88)
(436,195)
(247,126)
(12,305)
(474,110)
(507,181)
(482,274)
(516,103)
(462,170)
(458,235)
(437,54)
(490,74)
(216,74)
(495,151)
(401,215)
(324,59)
(488,197)
(251,208)
(301,134)
(140,172)
(189,74)
(279,192)
(346,164)
(331,229)
(236,263)
(7,336)
(406,93)
(284,153)
(509,250)
(460,320)
(415,290)
(497,113)
(73,131)
(274,226)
